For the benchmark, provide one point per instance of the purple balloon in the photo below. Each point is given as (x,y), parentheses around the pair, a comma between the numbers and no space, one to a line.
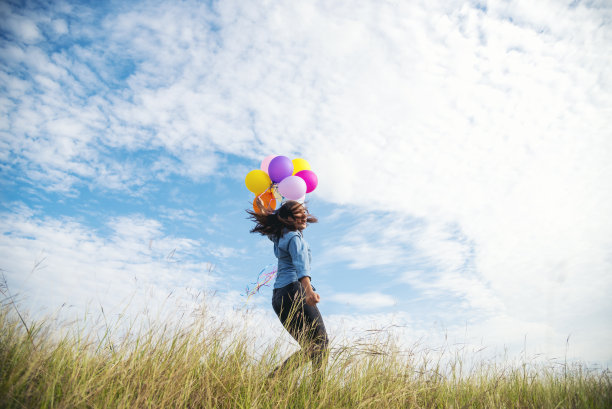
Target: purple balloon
(292,187)
(279,168)
(310,178)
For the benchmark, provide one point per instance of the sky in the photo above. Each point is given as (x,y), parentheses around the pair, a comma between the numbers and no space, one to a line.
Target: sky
(463,151)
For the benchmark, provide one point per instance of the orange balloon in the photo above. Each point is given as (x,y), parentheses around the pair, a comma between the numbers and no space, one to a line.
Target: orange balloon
(268,199)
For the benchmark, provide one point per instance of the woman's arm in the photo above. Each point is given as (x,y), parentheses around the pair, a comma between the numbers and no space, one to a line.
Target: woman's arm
(312,298)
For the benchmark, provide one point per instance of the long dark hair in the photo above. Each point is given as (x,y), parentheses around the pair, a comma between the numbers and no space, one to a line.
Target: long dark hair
(271,223)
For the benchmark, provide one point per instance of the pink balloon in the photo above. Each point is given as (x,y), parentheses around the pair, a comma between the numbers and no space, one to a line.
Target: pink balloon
(292,187)
(266,162)
(310,178)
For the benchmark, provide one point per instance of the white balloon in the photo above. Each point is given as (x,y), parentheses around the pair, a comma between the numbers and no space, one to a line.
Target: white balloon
(292,187)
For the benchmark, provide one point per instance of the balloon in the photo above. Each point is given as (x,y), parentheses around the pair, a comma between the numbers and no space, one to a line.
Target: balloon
(269,200)
(300,164)
(310,178)
(257,181)
(279,168)
(292,187)
(266,162)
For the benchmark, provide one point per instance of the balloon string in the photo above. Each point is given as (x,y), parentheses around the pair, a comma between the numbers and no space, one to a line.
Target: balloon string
(263,279)
(265,191)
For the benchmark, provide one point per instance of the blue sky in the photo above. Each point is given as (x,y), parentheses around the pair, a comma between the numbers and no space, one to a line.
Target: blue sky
(463,152)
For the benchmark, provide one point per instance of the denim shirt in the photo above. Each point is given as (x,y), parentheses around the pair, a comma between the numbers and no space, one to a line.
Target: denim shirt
(293,253)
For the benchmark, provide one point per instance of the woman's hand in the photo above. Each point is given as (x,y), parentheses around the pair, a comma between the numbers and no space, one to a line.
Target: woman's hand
(312,298)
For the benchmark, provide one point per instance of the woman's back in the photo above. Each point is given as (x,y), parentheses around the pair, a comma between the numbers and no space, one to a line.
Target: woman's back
(294,258)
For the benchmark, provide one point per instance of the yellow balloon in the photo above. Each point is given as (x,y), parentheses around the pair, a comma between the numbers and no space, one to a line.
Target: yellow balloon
(300,164)
(257,181)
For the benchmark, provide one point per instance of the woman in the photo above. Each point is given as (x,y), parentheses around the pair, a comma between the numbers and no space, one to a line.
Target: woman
(294,299)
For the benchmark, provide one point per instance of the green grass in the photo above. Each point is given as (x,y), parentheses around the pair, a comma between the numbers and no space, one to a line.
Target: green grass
(210,366)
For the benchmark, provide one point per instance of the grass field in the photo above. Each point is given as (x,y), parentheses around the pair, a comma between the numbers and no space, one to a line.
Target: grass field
(198,366)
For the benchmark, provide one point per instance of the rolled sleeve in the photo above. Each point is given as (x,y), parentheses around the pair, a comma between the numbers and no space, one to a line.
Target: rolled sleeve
(300,256)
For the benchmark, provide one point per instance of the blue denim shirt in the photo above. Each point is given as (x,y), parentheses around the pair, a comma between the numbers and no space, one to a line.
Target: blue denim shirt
(293,253)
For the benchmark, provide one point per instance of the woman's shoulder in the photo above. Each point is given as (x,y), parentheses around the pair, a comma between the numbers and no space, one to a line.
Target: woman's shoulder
(288,235)
(291,233)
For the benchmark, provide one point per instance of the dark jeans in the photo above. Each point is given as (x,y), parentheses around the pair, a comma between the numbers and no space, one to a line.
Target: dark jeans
(303,322)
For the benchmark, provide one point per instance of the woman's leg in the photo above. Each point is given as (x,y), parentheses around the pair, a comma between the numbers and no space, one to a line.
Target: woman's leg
(315,341)
(304,323)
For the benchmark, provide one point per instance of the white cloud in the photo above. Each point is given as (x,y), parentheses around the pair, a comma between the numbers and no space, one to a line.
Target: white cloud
(224,252)
(77,266)
(364,301)
(22,28)
(395,239)
(60,26)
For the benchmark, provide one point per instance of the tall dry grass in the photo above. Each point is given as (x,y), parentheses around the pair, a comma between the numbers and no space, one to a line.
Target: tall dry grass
(167,365)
